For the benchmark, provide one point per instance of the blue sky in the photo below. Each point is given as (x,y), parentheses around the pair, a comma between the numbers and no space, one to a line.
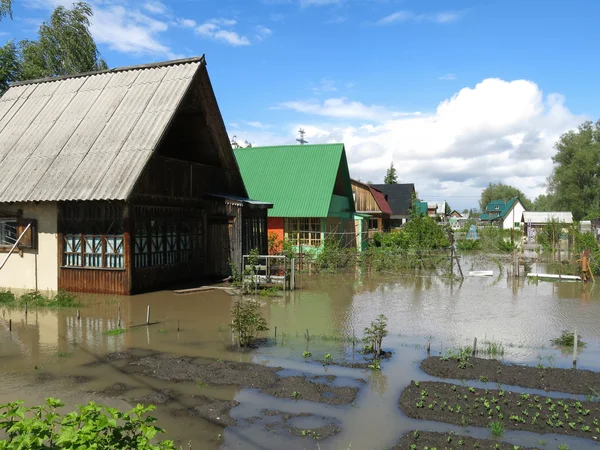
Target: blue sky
(456,93)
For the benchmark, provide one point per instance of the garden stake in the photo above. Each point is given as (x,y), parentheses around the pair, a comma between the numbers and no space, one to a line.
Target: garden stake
(275,332)
(148,315)
(177,324)
(474,346)
(9,324)
(25,308)
(78,315)
(307,335)
(119,316)
(575,348)
(428,348)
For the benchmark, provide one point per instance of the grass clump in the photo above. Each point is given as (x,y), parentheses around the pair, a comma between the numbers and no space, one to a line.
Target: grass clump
(36,299)
(115,332)
(493,349)
(497,428)
(567,339)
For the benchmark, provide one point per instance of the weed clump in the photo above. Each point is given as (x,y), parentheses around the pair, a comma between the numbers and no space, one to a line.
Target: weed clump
(374,335)
(36,299)
(567,339)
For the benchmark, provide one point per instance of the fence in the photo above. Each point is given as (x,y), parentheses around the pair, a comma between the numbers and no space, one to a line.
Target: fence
(269,269)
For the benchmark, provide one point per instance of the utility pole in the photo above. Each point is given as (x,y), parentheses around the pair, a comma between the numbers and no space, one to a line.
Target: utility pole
(301,139)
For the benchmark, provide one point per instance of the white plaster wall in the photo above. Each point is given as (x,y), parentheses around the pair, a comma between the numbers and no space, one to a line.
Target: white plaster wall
(20,271)
(516,214)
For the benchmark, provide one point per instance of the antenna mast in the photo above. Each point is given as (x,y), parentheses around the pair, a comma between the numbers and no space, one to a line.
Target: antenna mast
(301,140)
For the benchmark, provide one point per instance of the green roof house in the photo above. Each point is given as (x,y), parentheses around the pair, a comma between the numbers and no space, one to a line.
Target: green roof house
(309,187)
(504,213)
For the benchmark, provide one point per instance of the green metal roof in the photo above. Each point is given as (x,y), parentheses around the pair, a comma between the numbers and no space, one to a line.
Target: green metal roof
(503,210)
(298,179)
(421,208)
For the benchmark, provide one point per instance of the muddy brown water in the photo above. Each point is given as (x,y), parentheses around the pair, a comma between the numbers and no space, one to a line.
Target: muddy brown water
(53,353)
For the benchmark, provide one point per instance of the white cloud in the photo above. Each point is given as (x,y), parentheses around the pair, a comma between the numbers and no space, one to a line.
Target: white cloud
(155,7)
(129,31)
(409,16)
(496,131)
(343,108)
(186,23)
(448,77)
(256,124)
(213,29)
(263,32)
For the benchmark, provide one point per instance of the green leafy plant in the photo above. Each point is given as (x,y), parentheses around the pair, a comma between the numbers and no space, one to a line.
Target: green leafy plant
(296,395)
(248,321)
(115,332)
(90,426)
(374,335)
(567,339)
(306,354)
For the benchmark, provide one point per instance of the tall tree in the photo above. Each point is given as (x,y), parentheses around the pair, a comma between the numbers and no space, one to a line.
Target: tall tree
(5,8)
(575,180)
(544,202)
(10,66)
(499,191)
(390,176)
(65,45)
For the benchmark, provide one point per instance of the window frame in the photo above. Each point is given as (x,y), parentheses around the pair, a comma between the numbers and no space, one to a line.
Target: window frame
(305,231)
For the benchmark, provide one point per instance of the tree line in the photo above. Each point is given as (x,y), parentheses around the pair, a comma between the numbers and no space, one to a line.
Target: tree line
(64,46)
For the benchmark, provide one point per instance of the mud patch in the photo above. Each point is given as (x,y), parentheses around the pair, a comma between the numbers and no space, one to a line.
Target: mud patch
(572,381)
(430,439)
(302,425)
(81,379)
(115,390)
(469,406)
(246,375)
(210,409)
(157,398)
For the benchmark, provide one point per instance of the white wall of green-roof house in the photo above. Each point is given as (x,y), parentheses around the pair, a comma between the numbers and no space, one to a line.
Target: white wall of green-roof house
(512,220)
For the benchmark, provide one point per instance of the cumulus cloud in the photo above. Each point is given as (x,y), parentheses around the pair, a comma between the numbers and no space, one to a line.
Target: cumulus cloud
(496,131)
(410,16)
(155,7)
(262,32)
(216,29)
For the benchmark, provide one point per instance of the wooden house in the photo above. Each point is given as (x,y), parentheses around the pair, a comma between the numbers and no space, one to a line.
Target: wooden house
(309,187)
(126,179)
(505,214)
(370,201)
(400,198)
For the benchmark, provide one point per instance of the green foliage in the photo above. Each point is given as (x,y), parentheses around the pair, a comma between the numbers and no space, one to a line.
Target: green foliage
(90,426)
(5,10)
(65,46)
(9,64)
(499,191)
(248,321)
(497,428)
(494,239)
(333,257)
(390,176)
(374,335)
(575,181)
(567,339)
(468,244)
(35,299)
(115,332)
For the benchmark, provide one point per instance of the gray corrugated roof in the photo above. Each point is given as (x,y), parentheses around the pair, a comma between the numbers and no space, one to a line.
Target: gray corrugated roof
(538,217)
(88,136)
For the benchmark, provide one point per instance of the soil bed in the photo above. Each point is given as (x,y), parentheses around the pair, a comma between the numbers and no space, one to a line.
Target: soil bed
(210,409)
(448,441)
(246,375)
(317,433)
(572,381)
(469,406)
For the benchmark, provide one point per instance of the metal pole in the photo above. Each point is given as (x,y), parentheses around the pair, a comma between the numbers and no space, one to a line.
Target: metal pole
(119,316)
(293,275)
(148,315)
(575,348)
(15,245)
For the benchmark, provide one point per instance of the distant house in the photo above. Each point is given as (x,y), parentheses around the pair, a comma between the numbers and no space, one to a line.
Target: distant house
(504,214)
(121,181)
(400,199)
(534,221)
(456,214)
(371,202)
(309,186)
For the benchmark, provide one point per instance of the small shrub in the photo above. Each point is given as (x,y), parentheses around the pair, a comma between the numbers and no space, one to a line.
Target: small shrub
(115,332)
(374,335)
(90,426)
(567,339)
(7,298)
(248,321)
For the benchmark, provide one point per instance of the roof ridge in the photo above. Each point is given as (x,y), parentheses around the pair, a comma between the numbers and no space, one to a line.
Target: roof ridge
(172,62)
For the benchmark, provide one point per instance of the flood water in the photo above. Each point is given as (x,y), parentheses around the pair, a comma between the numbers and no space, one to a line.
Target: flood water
(52,353)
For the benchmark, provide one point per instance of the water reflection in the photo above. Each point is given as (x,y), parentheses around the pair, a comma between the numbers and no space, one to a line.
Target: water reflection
(521,314)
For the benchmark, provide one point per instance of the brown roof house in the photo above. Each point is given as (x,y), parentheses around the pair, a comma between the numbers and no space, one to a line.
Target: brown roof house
(372,202)
(120,181)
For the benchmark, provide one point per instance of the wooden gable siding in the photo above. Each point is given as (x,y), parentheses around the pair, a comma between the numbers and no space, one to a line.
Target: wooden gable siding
(363,198)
